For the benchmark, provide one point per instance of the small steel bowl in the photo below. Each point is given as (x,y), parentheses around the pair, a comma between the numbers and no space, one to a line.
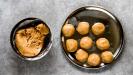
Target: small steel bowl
(93,14)
(31,22)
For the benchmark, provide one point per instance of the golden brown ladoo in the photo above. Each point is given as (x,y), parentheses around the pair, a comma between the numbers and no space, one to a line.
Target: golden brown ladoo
(83,28)
(81,55)
(71,45)
(94,59)
(98,28)
(86,42)
(68,30)
(29,41)
(102,43)
(107,57)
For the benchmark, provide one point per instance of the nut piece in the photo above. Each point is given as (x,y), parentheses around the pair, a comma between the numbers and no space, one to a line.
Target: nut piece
(83,28)
(107,57)
(86,42)
(68,30)
(71,45)
(81,55)
(98,28)
(94,60)
(102,44)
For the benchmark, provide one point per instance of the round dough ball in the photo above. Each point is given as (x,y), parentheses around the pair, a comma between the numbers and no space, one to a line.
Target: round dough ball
(102,44)
(94,60)
(107,57)
(86,42)
(68,30)
(98,28)
(81,55)
(71,45)
(83,28)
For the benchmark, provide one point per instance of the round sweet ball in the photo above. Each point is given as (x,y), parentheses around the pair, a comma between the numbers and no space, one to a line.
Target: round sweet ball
(68,30)
(102,44)
(98,28)
(86,42)
(107,57)
(93,59)
(83,28)
(71,45)
(81,55)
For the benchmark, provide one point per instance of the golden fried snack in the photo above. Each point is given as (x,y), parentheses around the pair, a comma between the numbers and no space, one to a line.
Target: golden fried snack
(102,44)
(93,60)
(81,55)
(98,28)
(68,30)
(107,57)
(86,42)
(83,28)
(71,45)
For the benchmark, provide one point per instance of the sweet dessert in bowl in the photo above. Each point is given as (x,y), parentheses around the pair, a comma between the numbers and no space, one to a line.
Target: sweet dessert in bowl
(31,39)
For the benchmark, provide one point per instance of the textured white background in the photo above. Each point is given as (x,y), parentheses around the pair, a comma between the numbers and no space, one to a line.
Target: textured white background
(54,13)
